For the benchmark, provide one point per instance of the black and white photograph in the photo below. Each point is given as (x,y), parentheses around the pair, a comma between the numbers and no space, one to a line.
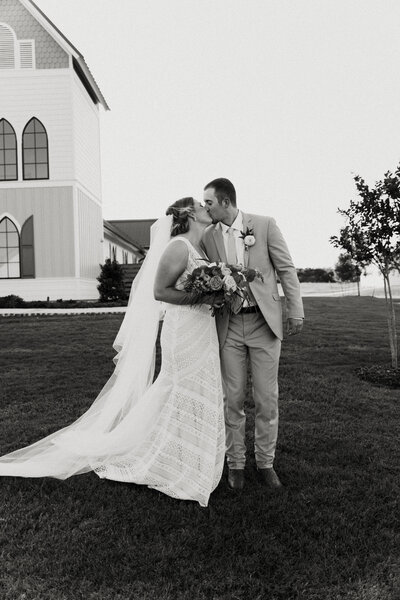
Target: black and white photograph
(199,300)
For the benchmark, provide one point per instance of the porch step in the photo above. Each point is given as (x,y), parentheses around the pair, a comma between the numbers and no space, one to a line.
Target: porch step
(130,272)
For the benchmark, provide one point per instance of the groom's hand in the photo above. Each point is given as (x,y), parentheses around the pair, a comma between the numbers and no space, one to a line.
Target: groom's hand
(214,300)
(294,326)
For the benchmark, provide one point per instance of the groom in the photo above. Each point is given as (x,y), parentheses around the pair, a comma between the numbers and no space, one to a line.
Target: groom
(254,241)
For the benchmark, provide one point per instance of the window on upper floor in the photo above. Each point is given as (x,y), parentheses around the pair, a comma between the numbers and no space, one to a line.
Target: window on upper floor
(8,152)
(35,151)
(9,249)
(15,54)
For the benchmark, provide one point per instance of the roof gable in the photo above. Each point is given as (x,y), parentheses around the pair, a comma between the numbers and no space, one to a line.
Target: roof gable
(26,29)
(78,62)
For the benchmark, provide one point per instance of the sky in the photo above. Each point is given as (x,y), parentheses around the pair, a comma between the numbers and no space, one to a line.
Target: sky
(289,99)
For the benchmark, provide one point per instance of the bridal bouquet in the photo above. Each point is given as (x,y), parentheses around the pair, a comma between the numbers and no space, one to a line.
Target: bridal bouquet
(227,285)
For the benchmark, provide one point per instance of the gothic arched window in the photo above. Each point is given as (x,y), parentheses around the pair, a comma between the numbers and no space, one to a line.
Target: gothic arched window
(8,152)
(9,249)
(35,150)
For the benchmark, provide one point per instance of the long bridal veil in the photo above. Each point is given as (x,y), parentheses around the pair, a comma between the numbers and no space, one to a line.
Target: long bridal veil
(99,434)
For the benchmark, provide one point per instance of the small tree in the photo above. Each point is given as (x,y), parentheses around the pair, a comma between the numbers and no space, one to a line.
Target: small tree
(372,236)
(111,278)
(347,270)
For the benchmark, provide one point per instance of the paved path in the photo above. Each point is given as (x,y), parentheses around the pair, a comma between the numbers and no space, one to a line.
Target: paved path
(15,312)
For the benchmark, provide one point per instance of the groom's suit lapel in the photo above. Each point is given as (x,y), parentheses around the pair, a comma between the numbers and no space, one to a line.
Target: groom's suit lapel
(219,242)
(247,223)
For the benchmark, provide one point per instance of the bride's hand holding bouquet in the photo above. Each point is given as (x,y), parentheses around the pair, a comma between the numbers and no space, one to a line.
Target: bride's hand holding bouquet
(223,286)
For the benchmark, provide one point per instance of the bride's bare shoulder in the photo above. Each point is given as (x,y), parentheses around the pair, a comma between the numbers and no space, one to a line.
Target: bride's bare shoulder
(177,249)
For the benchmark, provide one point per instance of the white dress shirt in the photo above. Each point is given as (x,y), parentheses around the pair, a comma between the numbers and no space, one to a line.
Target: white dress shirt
(237,227)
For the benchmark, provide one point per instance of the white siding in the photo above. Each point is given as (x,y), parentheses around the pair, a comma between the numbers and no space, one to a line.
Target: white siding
(52,210)
(47,97)
(86,139)
(90,236)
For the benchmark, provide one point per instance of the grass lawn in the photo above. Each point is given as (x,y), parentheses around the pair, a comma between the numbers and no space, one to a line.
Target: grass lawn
(332,534)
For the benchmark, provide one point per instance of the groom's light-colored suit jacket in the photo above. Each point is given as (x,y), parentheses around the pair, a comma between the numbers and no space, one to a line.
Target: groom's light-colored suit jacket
(271,256)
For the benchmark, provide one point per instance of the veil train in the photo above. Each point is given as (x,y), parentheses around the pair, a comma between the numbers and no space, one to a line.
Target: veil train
(102,433)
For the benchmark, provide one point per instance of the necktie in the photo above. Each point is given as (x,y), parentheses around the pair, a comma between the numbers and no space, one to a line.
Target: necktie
(231,256)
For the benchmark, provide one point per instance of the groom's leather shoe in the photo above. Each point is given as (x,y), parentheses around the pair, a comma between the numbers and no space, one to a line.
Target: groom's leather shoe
(236,479)
(269,479)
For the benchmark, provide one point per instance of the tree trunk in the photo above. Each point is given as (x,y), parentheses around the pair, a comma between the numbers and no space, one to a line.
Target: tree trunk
(358,287)
(391,318)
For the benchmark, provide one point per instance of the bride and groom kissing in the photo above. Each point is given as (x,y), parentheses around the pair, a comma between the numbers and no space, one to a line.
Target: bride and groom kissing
(172,434)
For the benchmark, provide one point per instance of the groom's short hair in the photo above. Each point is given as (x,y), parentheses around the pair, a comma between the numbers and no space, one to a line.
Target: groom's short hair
(223,189)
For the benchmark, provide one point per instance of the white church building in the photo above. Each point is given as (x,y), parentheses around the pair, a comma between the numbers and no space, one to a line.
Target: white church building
(52,234)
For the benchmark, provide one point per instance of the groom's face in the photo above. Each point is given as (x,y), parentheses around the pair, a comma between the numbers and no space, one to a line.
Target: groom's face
(216,210)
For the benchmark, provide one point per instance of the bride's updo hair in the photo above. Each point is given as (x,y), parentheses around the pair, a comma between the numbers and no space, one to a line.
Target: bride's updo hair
(180,211)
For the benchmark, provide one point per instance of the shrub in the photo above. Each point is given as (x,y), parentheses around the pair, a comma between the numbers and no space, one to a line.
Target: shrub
(111,278)
(384,375)
(315,275)
(11,301)
(37,304)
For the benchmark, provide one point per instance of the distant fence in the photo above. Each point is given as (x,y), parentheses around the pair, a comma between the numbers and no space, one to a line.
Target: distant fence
(346,289)
(307,289)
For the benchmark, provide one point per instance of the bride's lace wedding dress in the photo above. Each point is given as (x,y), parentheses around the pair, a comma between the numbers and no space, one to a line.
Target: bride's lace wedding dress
(172,439)
(183,453)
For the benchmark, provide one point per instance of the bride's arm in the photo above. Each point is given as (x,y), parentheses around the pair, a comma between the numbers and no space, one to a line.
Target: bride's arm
(172,264)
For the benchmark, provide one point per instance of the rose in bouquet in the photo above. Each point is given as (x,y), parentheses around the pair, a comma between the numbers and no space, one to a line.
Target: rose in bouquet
(224,287)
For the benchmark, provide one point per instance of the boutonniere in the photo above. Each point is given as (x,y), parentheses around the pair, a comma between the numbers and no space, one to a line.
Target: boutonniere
(248,238)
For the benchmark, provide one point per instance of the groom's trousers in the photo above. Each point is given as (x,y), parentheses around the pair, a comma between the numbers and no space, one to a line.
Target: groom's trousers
(249,335)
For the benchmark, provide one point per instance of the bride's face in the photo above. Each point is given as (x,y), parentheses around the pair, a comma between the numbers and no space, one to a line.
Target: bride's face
(201,213)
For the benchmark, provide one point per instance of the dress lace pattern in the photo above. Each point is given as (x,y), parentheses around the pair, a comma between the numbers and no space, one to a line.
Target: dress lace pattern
(182,451)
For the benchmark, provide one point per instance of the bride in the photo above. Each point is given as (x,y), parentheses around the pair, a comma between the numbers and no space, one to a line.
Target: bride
(168,435)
